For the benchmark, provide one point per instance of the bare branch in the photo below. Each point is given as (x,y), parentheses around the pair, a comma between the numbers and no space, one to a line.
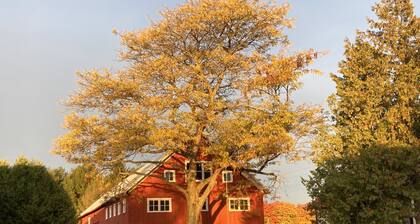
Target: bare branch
(258,172)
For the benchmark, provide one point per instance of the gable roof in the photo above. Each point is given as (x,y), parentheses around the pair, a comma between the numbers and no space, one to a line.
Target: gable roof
(126,185)
(140,174)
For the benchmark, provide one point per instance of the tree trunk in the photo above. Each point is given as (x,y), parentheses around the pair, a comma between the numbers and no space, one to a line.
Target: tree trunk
(193,209)
(193,216)
(195,194)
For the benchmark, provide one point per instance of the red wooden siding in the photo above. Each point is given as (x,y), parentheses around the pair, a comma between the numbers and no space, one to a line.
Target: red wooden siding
(155,187)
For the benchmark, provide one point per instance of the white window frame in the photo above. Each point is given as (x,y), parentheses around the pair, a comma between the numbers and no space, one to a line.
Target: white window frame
(89,220)
(205,205)
(124,205)
(119,208)
(227,172)
(106,213)
(114,209)
(159,203)
(173,175)
(239,209)
(110,211)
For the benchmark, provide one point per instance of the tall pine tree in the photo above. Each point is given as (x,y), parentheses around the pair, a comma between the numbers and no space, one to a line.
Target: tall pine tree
(358,179)
(377,98)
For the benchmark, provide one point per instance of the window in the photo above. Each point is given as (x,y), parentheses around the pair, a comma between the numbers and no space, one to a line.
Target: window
(159,205)
(88,220)
(106,213)
(227,176)
(124,205)
(169,175)
(205,207)
(239,204)
(201,171)
(116,209)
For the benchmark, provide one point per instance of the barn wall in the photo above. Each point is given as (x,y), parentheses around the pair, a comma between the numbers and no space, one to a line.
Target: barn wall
(155,187)
(98,217)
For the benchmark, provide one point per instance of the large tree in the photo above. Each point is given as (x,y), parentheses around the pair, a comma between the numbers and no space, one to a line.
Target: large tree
(29,194)
(376,105)
(377,98)
(379,185)
(202,82)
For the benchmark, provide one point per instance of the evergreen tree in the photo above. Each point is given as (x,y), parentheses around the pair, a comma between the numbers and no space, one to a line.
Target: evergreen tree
(75,184)
(377,98)
(84,185)
(379,185)
(58,174)
(376,104)
(29,194)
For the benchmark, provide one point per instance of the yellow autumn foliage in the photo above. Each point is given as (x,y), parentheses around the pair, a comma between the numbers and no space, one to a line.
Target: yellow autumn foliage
(202,81)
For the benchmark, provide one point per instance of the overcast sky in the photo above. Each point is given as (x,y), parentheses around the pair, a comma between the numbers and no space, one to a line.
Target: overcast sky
(44,42)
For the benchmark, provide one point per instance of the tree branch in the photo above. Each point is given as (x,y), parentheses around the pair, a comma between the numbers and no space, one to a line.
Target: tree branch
(258,172)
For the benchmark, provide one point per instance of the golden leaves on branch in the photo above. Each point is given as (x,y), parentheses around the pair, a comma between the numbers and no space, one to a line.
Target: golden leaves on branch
(202,80)
(278,76)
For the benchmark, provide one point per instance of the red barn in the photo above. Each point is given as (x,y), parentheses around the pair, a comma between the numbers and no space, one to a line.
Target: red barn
(146,197)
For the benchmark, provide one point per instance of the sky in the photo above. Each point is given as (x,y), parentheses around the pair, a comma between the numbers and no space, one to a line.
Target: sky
(43,43)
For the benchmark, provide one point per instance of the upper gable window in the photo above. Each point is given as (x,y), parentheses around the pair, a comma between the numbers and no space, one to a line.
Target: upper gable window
(201,171)
(239,204)
(169,175)
(227,176)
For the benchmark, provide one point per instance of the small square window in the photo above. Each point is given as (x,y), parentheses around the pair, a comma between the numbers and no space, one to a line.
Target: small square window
(153,205)
(227,176)
(164,205)
(169,175)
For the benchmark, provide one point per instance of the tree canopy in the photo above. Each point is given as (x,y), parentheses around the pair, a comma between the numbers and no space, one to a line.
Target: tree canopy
(202,82)
(85,185)
(368,159)
(380,185)
(29,194)
(377,98)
